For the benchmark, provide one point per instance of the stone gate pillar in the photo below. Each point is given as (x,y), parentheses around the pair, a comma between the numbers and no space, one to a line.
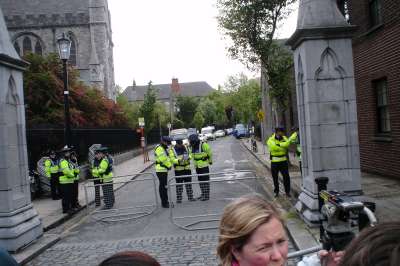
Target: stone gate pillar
(326,101)
(19,222)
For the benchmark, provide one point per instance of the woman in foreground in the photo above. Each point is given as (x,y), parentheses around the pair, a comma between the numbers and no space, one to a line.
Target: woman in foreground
(252,234)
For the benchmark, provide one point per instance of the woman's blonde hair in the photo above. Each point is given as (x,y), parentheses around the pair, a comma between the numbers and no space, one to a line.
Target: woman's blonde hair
(239,220)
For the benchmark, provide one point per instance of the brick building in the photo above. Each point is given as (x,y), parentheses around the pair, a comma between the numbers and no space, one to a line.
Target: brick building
(376,48)
(35,26)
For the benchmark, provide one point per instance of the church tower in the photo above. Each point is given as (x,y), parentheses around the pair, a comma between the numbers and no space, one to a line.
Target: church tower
(35,26)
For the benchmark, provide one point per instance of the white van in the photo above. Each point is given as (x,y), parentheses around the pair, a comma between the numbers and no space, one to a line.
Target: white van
(208,132)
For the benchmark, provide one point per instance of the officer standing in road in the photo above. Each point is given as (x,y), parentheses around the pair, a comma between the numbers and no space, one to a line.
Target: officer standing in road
(102,169)
(202,156)
(51,169)
(163,164)
(75,191)
(278,145)
(180,158)
(67,178)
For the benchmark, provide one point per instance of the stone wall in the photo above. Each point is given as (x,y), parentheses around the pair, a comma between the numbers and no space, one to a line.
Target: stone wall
(376,56)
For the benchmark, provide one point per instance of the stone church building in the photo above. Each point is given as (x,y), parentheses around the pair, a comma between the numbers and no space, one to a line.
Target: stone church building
(35,26)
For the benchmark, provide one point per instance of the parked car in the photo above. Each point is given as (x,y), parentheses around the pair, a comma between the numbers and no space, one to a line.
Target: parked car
(229,131)
(219,133)
(177,134)
(240,131)
(208,132)
(202,138)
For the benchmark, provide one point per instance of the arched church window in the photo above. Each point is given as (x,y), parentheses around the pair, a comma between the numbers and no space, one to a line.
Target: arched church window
(17,48)
(72,57)
(38,48)
(26,45)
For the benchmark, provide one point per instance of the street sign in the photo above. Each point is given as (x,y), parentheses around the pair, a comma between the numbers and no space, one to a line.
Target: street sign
(260,115)
(141,121)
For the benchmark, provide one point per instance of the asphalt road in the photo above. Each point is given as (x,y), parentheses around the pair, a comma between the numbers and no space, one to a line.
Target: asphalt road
(183,235)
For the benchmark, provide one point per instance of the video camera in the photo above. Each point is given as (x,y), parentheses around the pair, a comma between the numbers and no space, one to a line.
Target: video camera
(340,214)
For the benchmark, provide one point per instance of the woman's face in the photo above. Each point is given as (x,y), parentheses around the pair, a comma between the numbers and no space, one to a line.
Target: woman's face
(268,245)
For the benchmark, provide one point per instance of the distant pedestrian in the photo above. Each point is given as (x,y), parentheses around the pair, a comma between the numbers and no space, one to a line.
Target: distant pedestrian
(130,258)
(52,173)
(163,165)
(202,156)
(180,157)
(278,145)
(75,191)
(102,169)
(67,178)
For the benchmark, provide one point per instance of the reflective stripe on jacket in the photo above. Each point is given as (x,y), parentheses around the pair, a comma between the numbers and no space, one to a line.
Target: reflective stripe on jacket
(202,157)
(180,161)
(278,149)
(100,171)
(294,138)
(68,172)
(163,163)
(50,167)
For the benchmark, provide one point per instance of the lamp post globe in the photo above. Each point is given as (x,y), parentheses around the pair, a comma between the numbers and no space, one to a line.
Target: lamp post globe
(64,48)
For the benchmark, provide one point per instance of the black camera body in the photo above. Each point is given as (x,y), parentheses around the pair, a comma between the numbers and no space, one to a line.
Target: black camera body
(339,211)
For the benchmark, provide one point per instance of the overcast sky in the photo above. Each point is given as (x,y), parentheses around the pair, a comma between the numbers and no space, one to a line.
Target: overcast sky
(158,39)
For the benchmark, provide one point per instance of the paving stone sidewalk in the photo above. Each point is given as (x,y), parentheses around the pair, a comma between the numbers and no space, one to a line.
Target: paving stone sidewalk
(384,191)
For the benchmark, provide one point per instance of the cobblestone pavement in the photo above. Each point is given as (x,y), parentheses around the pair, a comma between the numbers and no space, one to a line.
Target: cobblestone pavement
(92,241)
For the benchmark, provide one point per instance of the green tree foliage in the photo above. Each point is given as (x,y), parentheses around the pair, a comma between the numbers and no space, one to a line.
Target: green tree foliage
(198,120)
(251,25)
(280,75)
(131,110)
(208,110)
(246,101)
(186,109)
(43,89)
(147,110)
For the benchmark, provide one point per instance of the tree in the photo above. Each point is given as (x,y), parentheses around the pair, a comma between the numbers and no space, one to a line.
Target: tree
(198,120)
(43,91)
(186,107)
(208,111)
(148,107)
(131,110)
(251,25)
(280,76)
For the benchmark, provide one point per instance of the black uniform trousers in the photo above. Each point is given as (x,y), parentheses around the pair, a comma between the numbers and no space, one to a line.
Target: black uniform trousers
(108,193)
(75,193)
(282,167)
(204,186)
(162,189)
(97,184)
(179,186)
(55,186)
(66,194)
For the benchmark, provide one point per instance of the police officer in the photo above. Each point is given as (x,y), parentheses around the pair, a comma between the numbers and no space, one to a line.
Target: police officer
(180,157)
(202,156)
(163,164)
(102,170)
(75,191)
(278,145)
(51,169)
(67,178)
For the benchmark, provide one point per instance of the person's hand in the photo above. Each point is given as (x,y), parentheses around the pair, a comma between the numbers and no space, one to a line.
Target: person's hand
(330,258)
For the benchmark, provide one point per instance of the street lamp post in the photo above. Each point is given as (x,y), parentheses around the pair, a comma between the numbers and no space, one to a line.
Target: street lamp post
(64,47)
